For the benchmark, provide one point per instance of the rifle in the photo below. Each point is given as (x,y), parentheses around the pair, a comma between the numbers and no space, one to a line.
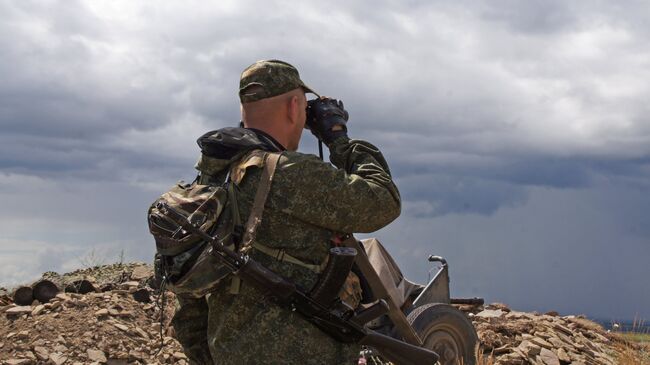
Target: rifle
(340,324)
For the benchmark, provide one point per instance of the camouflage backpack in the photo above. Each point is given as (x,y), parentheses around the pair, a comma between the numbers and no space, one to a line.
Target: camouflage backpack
(183,261)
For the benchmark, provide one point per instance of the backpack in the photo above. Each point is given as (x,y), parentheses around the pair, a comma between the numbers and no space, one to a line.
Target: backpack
(184,263)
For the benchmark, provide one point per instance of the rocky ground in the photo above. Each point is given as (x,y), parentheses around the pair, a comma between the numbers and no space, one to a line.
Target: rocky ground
(511,337)
(108,326)
(111,315)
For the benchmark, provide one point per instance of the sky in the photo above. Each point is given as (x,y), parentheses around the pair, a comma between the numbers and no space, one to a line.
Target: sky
(517,132)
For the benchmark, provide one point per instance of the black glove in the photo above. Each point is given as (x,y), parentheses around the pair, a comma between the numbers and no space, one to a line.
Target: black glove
(323,114)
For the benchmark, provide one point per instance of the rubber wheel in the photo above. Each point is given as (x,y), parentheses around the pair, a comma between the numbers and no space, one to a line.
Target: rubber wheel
(447,331)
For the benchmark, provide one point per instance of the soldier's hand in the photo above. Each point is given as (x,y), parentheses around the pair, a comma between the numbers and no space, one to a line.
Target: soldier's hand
(326,119)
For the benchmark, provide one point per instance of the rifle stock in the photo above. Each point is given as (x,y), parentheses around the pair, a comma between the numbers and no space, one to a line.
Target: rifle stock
(340,326)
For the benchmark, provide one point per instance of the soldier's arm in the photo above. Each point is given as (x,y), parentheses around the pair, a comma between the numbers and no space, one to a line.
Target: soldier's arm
(358,195)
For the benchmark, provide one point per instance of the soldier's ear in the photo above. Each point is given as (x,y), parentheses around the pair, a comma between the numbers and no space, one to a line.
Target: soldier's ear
(293,109)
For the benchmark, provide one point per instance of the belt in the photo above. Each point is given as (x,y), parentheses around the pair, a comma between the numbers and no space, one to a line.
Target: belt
(282,256)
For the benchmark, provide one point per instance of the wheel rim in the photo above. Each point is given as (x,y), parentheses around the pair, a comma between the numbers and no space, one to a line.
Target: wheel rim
(447,342)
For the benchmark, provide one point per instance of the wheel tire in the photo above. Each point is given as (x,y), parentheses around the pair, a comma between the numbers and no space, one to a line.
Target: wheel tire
(447,331)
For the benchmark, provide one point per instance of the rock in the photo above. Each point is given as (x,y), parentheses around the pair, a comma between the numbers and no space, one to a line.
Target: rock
(540,342)
(501,350)
(549,357)
(512,358)
(123,330)
(564,338)
(543,334)
(125,314)
(63,297)
(557,343)
(117,362)
(130,284)
(141,333)
(528,348)
(121,327)
(586,324)
(61,348)
(514,315)
(39,342)
(18,361)
(489,313)
(563,329)
(58,359)
(107,287)
(141,273)
(136,355)
(500,306)
(600,337)
(179,356)
(41,353)
(96,355)
(142,295)
(562,355)
(19,310)
(38,310)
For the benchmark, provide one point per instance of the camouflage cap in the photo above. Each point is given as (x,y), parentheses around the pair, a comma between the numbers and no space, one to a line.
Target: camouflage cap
(268,78)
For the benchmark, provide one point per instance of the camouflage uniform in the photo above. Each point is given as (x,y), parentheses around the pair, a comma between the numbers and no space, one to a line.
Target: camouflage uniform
(309,201)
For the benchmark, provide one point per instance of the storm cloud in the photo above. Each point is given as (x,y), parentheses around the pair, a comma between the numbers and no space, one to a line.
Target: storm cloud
(517,132)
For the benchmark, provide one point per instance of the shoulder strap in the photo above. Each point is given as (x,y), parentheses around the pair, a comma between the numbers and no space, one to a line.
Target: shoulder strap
(255,217)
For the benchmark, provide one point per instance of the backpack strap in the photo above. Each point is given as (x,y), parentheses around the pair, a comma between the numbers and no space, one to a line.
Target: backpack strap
(270,162)
(255,217)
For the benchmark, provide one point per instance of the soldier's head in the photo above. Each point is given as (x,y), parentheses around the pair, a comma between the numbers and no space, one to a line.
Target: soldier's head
(273,100)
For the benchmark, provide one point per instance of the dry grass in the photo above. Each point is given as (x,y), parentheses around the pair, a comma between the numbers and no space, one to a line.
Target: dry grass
(633,355)
(483,359)
(634,345)
(640,338)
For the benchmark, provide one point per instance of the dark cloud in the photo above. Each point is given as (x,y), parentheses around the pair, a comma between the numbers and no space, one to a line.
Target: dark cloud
(433,195)
(542,17)
(517,131)
(561,250)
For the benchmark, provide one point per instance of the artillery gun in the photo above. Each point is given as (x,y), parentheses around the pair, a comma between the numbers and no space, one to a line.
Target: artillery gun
(422,315)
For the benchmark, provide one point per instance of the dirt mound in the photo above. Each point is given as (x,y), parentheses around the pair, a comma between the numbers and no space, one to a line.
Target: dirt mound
(108,326)
(111,315)
(512,337)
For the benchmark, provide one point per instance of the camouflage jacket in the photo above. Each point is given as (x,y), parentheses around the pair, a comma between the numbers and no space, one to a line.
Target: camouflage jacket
(309,201)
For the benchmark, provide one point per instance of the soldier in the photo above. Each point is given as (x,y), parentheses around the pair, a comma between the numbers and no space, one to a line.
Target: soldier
(310,203)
